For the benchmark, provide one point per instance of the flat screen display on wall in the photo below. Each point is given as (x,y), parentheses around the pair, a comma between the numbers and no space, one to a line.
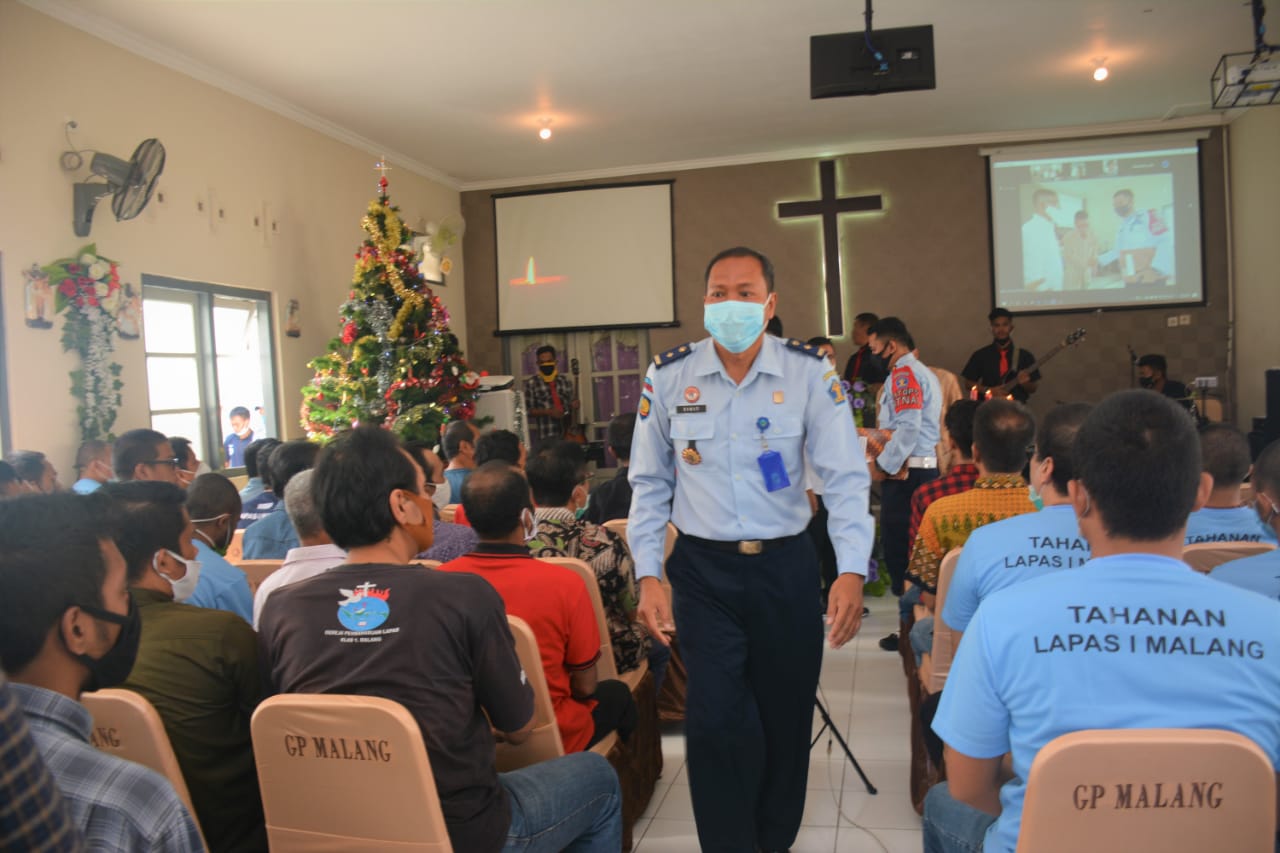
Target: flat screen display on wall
(1097,224)
(585,258)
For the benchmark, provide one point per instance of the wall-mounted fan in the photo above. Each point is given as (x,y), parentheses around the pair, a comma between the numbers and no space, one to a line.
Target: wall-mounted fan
(130,184)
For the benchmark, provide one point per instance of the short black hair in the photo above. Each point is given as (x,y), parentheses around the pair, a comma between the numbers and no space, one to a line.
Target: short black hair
(454,435)
(268,447)
(1056,440)
(29,464)
(148,518)
(181,447)
(89,451)
(50,559)
(766,266)
(1156,362)
(893,329)
(1127,192)
(997,313)
(211,495)
(959,424)
(1041,193)
(493,498)
(238,412)
(290,458)
(7,474)
(135,446)
(1224,453)
(251,454)
(621,431)
(819,341)
(1081,214)
(555,471)
(353,478)
(774,326)
(500,444)
(545,348)
(866,318)
(1138,456)
(1002,434)
(1266,470)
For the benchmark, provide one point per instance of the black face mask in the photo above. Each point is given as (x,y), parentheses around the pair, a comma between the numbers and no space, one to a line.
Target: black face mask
(1147,381)
(878,360)
(546,369)
(113,668)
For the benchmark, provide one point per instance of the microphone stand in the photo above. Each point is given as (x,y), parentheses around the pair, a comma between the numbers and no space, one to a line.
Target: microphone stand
(1133,366)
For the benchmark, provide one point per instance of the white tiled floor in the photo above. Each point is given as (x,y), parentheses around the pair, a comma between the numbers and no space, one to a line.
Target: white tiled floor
(863,688)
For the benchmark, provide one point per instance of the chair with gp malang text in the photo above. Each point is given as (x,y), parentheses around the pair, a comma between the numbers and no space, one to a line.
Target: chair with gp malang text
(1112,790)
(341,773)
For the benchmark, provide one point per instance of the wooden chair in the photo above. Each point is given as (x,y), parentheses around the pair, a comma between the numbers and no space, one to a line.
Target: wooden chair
(1206,556)
(1108,790)
(607,667)
(127,726)
(385,802)
(617,525)
(944,639)
(258,570)
(235,551)
(447,512)
(430,564)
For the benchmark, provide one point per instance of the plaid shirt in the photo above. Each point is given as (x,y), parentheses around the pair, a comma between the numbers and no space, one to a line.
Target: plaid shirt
(33,815)
(119,805)
(959,479)
(537,395)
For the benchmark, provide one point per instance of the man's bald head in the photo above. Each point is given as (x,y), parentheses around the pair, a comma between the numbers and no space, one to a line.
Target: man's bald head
(494,499)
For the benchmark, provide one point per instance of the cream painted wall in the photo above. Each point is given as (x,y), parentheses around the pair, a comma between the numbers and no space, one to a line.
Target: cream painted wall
(1254,141)
(242,154)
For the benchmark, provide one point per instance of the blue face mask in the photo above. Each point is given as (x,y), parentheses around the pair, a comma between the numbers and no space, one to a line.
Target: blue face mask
(734,325)
(1036,500)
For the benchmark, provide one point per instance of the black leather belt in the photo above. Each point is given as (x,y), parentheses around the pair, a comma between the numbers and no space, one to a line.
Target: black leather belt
(741,546)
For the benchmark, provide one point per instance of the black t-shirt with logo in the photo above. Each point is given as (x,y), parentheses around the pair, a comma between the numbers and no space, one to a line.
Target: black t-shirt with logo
(437,643)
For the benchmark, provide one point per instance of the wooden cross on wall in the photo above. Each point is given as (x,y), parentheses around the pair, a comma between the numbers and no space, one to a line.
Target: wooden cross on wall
(829,206)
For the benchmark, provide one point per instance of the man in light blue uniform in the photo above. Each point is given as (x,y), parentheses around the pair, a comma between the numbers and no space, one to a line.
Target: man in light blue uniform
(1140,229)
(1132,639)
(214,507)
(1225,519)
(910,405)
(1260,573)
(724,425)
(1007,552)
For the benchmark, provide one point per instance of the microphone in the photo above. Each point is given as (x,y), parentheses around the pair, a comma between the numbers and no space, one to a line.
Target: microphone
(1133,356)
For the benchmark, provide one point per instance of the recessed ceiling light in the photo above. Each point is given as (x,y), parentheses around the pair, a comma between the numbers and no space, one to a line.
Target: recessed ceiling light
(1100,71)
(545,133)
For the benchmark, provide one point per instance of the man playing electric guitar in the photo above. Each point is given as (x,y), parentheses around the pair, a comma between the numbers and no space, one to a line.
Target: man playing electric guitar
(1002,362)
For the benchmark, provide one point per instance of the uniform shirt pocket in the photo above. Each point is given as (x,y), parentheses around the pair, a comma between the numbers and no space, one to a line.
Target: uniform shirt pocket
(692,428)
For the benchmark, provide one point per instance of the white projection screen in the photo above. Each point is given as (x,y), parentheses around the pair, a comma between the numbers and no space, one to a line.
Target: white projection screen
(585,258)
(1110,223)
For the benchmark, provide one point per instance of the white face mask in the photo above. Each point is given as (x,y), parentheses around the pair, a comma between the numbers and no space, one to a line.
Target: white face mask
(442,495)
(530,526)
(203,468)
(184,587)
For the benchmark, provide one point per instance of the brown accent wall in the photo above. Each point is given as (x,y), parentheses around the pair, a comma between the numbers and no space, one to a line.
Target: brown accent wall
(926,258)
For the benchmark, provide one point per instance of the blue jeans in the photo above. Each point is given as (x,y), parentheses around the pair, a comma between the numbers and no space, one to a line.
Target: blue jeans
(922,638)
(908,601)
(950,826)
(571,803)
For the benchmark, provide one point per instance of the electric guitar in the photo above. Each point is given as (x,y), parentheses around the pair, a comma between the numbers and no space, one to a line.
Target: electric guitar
(573,430)
(981,392)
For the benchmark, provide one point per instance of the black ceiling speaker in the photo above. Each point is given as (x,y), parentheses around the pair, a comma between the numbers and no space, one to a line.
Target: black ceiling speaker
(130,184)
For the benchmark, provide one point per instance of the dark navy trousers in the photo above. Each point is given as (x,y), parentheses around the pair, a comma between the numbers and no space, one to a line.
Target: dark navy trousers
(750,631)
(895,521)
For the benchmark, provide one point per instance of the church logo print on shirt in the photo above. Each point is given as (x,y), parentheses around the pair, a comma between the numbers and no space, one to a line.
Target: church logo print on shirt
(364,607)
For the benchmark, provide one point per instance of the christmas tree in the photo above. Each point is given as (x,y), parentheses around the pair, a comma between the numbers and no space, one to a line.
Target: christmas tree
(396,363)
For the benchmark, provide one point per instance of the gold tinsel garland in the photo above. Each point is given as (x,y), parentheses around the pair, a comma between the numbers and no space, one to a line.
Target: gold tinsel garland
(387,243)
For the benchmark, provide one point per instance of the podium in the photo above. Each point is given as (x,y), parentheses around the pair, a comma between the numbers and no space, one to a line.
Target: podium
(499,399)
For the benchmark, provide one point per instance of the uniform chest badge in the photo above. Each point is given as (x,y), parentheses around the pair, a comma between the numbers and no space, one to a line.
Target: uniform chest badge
(692,394)
(691,455)
(778,397)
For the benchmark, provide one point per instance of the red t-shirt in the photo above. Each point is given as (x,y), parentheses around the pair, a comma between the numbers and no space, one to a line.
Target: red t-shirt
(555,603)
(460,516)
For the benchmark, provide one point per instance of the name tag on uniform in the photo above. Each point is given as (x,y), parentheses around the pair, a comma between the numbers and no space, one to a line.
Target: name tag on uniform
(691,410)
(775,472)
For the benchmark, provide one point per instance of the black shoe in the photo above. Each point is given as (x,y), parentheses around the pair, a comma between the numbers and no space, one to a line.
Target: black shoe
(890,643)
(866,611)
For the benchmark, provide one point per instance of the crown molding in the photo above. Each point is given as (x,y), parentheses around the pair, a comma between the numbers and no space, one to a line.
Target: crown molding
(987,138)
(73,14)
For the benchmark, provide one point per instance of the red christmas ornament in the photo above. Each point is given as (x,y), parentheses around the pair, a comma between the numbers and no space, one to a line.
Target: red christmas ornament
(349,333)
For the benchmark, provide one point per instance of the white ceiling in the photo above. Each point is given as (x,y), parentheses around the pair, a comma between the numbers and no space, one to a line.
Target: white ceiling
(456,88)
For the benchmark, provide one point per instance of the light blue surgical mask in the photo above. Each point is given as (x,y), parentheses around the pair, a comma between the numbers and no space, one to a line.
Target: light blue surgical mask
(1034,494)
(735,325)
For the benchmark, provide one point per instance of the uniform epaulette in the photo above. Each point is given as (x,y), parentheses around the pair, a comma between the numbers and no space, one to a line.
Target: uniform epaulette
(672,355)
(807,349)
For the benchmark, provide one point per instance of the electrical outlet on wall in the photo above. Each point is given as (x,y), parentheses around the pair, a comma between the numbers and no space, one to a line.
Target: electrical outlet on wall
(1184,319)
(1172,322)
(1206,382)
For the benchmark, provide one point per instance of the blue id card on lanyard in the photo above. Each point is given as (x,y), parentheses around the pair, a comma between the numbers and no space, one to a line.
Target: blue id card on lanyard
(774,470)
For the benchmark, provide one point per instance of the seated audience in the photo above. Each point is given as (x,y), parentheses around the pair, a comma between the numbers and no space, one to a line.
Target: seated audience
(93,466)
(558,477)
(315,555)
(958,431)
(1026,546)
(144,454)
(271,537)
(189,463)
(1022,678)
(198,667)
(502,445)
(254,486)
(612,499)
(1260,573)
(1152,370)
(1225,518)
(35,471)
(76,629)
(459,445)
(451,540)
(441,648)
(552,599)
(10,486)
(33,815)
(267,499)
(214,507)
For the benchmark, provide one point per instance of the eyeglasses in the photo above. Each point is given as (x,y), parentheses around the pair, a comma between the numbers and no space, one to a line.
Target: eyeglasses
(175,462)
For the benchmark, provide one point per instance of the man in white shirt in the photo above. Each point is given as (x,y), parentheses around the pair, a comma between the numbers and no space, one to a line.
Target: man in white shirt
(317,553)
(1041,250)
